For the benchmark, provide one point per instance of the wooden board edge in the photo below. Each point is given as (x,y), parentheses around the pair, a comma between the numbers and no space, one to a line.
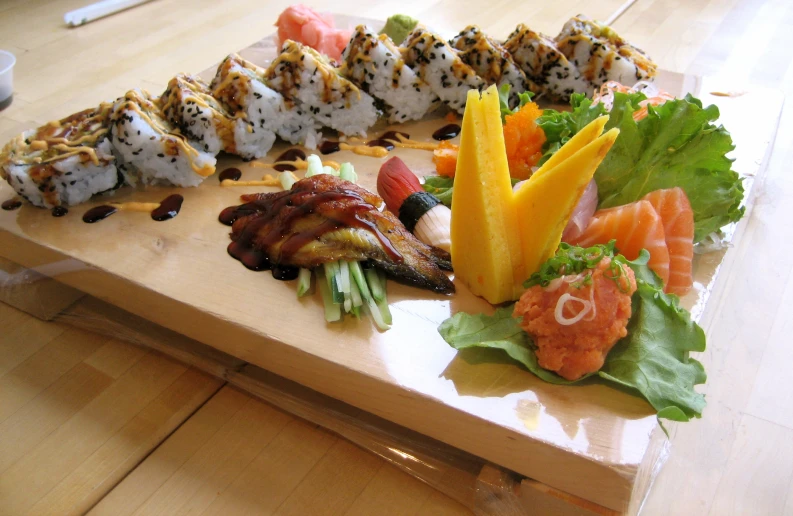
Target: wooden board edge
(535,459)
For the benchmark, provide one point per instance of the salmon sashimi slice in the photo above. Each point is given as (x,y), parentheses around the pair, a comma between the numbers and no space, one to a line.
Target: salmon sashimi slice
(635,226)
(678,220)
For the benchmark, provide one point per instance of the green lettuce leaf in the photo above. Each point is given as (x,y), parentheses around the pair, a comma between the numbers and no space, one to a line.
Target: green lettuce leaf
(677,144)
(652,360)
(442,187)
(503,101)
(560,126)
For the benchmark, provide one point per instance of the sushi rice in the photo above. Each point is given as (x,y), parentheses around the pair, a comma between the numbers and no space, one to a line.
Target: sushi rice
(492,62)
(187,103)
(374,63)
(63,162)
(257,108)
(438,64)
(308,79)
(541,60)
(601,55)
(154,147)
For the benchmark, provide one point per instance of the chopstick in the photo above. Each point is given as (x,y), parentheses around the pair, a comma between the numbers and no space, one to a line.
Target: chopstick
(98,10)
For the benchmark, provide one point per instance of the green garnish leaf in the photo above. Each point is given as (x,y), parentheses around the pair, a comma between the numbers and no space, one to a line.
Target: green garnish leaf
(442,187)
(676,144)
(503,101)
(569,260)
(652,360)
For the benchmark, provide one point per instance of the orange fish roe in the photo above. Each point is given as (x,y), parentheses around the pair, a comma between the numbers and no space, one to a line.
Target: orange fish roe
(524,140)
(445,158)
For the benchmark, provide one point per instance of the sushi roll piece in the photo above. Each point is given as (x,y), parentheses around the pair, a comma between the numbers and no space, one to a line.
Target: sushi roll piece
(538,56)
(64,162)
(439,65)
(307,78)
(374,63)
(153,146)
(187,103)
(601,55)
(240,85)
(492,62)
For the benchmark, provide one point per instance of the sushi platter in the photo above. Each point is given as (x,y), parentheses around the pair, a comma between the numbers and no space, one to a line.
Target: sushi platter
(592,441)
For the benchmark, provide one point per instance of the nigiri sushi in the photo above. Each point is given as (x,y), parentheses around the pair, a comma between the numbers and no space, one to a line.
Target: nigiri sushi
(492,62)
(240,85)
(153,146)
(375,65)
(187,103)
(305,77)
(440,66)
(63,162)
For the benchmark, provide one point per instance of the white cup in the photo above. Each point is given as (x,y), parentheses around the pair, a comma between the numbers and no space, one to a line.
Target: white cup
(7,62)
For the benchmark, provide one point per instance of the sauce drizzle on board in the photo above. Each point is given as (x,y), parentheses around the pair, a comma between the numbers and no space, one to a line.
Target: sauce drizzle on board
(167,209)
(289,155)
(59,211)
(232,174)
(447,132)
(11,204)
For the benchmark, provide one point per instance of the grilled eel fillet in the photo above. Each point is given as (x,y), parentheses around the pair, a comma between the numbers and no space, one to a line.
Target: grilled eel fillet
(324,218)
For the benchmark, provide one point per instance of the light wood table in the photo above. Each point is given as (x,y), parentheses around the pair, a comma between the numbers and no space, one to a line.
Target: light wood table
(90,422)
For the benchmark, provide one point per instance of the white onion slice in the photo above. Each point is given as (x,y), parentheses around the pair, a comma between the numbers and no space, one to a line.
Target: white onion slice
(559,311)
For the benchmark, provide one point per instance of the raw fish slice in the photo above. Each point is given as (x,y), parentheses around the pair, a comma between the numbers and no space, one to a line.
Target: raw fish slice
(678,220)
(492,62)
(635,226)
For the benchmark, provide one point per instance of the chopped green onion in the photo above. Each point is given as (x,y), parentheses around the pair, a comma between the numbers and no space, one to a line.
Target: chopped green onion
(330,170)
(314,166)
(332,310)
(303,282)
(347,172)
(287,179)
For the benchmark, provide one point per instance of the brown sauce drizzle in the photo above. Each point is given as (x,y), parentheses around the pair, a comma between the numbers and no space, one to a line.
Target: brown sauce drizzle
(249,246)
(59,211)
(98,213)
(329,147)
(168,208)
(233,174)
(381,142)
(11,204)
(394,135)
(289,155)
(447,132)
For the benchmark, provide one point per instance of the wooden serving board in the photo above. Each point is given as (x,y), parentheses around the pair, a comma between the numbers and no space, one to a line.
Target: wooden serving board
(592,441)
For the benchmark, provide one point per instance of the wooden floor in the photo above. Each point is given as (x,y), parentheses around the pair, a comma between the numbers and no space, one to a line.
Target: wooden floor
(90,423)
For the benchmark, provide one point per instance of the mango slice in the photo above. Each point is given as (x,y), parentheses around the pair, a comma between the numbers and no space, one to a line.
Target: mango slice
(486,251)
(546,201)
(583,137)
